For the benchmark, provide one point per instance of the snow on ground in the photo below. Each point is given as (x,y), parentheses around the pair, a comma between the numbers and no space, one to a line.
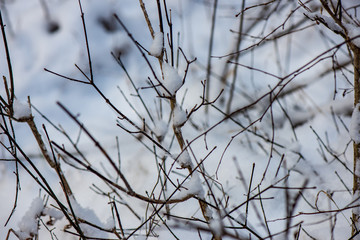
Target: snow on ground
(33,47)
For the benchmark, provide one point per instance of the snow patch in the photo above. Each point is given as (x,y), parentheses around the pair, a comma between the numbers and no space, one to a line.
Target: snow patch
(110,223)
(53,213)
(179,117)
(157,45)
(329,22)
(160,129)
(295,147)
(28,225)
(140,237)
(192,187)
(184,160)
(22,111)
(172,80)
(90,216)
(216,226)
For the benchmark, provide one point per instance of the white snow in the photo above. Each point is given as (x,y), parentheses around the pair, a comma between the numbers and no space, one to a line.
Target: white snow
(22,111)
(110,223)
(90,216)
(217,227)
(28,226)
(330,23)
(354,129)
(53,213)
(157,44)
(184,160)
(295,147)
(179,116)
(172,80)
(160,129)
(140,238)
(192,187)
(352,30)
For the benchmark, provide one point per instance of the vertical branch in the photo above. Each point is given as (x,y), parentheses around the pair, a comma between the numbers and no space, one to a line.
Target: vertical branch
(173,103)
(178,133)
(232,87)
(9,106)
(161,25)
(208,69)
(87,43)
(143,8)
(171,41)
(356,179)
(11,76)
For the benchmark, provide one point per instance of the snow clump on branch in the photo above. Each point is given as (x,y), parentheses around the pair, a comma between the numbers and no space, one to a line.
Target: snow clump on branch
(157,45)
(192,187)
(184,160)
(90,216)
(160,129)
(28,225)
(179,117)
(22,111)
(172,80)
